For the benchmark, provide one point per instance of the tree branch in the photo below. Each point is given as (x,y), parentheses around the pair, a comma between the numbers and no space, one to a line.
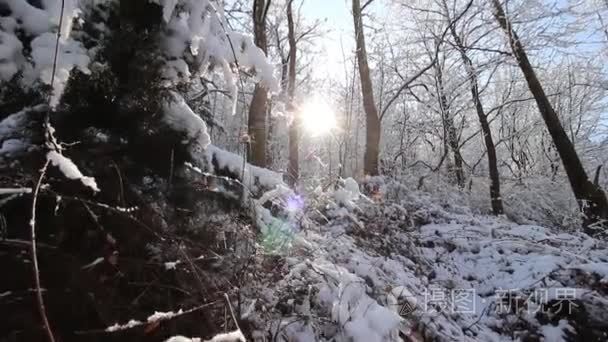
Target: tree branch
(425,69)
(266,11)
(596,180)
(366,4)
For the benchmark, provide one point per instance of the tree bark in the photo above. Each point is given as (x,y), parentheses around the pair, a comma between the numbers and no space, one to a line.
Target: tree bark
(591,198)
(372,147)
(259,102)
(495,198)
(293,169)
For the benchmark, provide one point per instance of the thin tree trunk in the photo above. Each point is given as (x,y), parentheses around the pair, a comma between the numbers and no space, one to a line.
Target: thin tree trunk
(592,200)
(495,198)
(270,145)
(402,136)
(450,134)
(372,146)
(293,169)
(355,151)
(349,121)
(259,102)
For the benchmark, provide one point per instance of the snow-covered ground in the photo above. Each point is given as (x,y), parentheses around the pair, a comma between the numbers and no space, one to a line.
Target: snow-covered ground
(410,269)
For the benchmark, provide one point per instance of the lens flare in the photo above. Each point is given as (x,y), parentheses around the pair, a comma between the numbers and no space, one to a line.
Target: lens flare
(295,203)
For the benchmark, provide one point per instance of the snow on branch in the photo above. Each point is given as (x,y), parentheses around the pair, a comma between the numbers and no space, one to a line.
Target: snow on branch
(180,117)
(70,170)
(34,55)
(71,54)
(197,40)
(156,317)
(254,177)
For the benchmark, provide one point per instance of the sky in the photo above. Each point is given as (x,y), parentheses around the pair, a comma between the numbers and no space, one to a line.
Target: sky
(339,23)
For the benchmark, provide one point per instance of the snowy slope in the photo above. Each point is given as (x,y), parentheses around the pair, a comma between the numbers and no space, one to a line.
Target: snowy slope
(408,269)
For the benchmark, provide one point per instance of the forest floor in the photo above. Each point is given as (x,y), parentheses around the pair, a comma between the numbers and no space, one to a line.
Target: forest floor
(364,268)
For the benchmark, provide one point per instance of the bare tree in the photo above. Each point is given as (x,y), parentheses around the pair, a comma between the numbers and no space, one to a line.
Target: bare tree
(372,146)
(259,102)
(592,200)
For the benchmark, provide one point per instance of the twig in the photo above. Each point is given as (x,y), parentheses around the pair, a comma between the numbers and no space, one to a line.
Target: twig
(162,286)
(366,4)
(122,191)
(119,210)
(596,180)
(12,191)
(19,243)
(93,216)
(57,42)
(34,255)
(485,310)
(34,252)
(134,324)
(236,323)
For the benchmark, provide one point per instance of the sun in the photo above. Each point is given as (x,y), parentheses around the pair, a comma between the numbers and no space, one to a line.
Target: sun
(317,116)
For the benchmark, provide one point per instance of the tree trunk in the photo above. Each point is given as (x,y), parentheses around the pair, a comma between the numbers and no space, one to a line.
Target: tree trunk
(495,198)
(259,102)
(592,200)
(372,146)
(450,134)
(293,169)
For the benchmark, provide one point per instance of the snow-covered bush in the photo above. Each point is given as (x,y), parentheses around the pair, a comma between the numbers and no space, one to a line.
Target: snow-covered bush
(196,40)
(33,45)
(188,40)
